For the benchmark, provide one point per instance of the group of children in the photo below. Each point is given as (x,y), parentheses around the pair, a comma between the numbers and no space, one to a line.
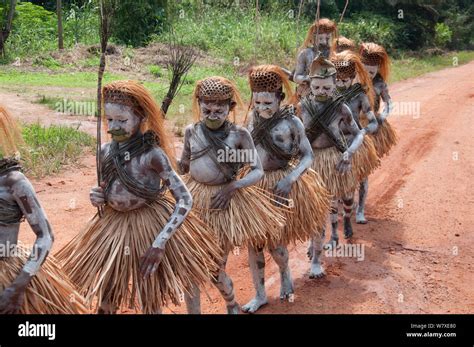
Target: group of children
(167,226)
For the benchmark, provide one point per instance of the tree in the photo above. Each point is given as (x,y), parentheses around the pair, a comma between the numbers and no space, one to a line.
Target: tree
(60,24)
(136,20)
(6,25)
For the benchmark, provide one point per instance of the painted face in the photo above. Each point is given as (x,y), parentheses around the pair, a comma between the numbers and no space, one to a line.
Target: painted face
(122,122)
(322,88)
(343,83)
(214,113)
(323,39)
(371,70)
(265,104)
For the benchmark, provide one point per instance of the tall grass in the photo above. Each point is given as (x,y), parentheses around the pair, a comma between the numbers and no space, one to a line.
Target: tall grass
(408,67)
(239,37)
(49,148)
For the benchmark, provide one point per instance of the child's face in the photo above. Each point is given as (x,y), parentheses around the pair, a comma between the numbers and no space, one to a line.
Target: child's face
(343,83)
(323,39)
(322,88)
(214,113)
(122,122)
(371,70)
(265,104)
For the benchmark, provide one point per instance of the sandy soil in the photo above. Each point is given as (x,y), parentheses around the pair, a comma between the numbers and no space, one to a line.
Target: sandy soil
(418,243)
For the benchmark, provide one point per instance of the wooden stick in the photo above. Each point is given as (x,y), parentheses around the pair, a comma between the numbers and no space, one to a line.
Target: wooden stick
(316,47)
(105,14)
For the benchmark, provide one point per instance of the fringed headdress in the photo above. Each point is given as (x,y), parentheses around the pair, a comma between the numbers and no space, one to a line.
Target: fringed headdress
(218,89)
(269,78)
(10,135)
(349,65)
(272,79)
(137,97)
(374,54)
(344,44)
(321,68)
(325,26)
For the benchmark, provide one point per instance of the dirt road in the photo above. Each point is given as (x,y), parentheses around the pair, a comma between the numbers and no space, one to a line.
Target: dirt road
(418,245)
(28,112)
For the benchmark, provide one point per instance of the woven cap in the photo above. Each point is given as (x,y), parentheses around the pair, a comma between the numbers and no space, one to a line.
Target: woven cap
(213,88)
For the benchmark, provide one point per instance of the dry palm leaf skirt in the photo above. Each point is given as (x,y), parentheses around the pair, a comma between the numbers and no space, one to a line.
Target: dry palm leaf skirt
(104,260)
(252,216)
(309,201)
(366,159)
(384,139)
(338,184)
(49,292)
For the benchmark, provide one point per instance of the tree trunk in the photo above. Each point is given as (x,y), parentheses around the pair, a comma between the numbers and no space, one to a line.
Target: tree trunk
(60,24)
(7,27)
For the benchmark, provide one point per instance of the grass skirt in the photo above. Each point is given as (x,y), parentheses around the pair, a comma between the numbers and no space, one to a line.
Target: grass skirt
(251,217)
(366,159)
(104,259)
(384,139)
(49,292)
(339,185)
(311,203)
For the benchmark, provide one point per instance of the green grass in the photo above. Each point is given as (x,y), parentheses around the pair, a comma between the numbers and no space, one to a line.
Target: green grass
(156,71)
(412,67)
(86,82)
(68,106)
(232,34)
(48,149)
(48,62)
(10,76)
(48,101)
(90,62)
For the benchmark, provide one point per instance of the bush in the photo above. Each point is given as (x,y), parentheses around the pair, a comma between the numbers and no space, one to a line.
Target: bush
(81,23)
(366,27)
(135,21)
(462,27)
(49,148)
(156,70)
(232,34)
(47,61)
(35,29)
(442,35)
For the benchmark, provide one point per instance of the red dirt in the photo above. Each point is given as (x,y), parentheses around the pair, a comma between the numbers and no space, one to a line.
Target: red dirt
(418,243)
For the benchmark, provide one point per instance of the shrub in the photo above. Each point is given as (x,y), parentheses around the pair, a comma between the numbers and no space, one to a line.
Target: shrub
(136,20)
(49,148)
(366,27)
(442,35)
